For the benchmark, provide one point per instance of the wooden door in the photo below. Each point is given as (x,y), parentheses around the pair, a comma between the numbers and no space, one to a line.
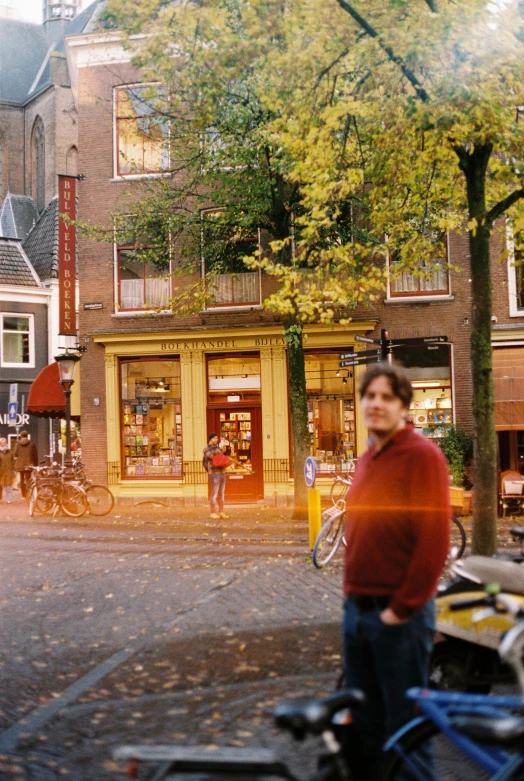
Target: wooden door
(242,427)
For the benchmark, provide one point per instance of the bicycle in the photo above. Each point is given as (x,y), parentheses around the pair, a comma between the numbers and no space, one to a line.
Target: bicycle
(322,716)
(50,493)
(482,729)
(100,500)
(332,534)
(341,483)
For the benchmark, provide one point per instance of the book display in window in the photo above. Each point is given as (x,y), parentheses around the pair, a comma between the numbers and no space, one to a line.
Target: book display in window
(331,424)
(152,447)
(235,427)
(431,410)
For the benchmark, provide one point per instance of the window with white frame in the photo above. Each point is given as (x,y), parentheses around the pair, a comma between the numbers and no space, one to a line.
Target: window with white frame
(17,340)
(430,279)
(515,245)
(229,282)
(141,135)
(143,268)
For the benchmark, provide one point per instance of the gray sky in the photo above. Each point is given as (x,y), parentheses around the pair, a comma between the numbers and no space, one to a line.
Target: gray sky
(29,10)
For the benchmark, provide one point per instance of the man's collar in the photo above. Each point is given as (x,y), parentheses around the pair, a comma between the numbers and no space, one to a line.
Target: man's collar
(397,437)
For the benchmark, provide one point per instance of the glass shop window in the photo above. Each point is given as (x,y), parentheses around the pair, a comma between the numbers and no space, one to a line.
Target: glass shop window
(429,369)
(151,419)
(331,411)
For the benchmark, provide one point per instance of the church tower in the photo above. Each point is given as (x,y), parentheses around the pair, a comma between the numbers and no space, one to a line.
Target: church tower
(57,14)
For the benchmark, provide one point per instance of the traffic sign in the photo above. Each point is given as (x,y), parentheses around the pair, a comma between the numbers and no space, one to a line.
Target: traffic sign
(417,340)
(358,362)
(363,354)
(310,471)
(13,391)
(12,412)
(366,339)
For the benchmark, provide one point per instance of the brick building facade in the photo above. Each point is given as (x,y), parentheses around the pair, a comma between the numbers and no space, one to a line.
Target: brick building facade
(155,383)
(38,141)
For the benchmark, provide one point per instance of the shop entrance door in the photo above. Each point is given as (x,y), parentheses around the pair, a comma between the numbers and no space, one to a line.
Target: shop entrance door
(242,428)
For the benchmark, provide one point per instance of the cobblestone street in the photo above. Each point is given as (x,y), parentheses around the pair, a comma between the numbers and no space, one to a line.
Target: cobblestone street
(147,630)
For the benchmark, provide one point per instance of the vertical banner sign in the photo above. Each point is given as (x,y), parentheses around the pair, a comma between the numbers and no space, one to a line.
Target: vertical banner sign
(66,255)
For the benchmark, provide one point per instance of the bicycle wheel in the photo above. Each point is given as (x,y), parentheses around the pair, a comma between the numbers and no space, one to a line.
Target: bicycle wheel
(328,540)
(73,500)
(457,528)
(428,755)
(100,500)
(41,500)
(339,490)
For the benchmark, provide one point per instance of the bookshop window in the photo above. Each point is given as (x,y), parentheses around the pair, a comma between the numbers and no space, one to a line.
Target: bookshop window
(151,419)
(331,411)
(429,369)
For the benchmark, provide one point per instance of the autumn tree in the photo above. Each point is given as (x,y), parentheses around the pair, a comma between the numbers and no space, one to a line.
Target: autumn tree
(216,64)
(424,123)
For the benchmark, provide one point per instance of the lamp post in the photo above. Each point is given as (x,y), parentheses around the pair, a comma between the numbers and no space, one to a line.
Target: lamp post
(66,368)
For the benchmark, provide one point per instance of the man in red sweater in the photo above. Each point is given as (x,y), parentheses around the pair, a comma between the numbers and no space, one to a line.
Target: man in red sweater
(398,522)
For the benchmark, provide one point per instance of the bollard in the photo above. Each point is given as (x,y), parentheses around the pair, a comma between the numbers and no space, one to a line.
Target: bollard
(314,514)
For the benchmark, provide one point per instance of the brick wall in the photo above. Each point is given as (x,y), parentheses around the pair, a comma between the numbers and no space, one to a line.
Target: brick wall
(98,195)
(12,140)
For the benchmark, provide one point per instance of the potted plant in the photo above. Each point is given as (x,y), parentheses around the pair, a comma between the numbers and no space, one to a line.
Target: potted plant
(457,446)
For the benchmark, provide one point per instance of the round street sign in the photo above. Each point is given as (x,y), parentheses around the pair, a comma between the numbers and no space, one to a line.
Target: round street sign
(310,471)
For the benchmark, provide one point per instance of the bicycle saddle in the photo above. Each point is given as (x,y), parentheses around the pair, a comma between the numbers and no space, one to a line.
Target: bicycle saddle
(517,531)
(314,716)
(505,730)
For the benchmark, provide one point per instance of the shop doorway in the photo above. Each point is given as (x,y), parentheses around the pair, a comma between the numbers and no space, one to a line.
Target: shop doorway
(242,428)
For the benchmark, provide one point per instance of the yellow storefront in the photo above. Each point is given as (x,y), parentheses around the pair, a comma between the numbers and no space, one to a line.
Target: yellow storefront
(166,392)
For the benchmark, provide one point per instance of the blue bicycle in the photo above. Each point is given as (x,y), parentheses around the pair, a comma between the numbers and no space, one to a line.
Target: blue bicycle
(457,736)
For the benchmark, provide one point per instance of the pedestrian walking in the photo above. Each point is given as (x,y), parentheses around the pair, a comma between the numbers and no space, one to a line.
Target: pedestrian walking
(25,455)
(398,522)
(215,463)
(6,470)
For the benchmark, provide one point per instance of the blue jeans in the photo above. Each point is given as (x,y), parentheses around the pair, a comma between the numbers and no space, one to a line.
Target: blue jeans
(383,661)
(218,486)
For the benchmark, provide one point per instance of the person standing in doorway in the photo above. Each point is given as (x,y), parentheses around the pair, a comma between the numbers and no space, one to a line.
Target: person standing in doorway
(25,455)
(398,525)
(217,476)
(6,470)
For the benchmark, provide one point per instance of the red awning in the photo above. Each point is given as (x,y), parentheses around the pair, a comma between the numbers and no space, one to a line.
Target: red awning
(46,396)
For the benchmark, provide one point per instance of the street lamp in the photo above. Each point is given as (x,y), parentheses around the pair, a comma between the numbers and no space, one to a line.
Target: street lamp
(66,368)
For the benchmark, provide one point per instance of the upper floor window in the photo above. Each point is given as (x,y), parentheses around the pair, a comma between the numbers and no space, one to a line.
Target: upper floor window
(430,279)
(17,340)
(143,274)
(515,247)
(39,163)
(140,133)
(228,280)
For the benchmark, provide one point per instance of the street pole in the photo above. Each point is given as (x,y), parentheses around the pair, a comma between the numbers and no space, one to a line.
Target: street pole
(66,369)
(68,463)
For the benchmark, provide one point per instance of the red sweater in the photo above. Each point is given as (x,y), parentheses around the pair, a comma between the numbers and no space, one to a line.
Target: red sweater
(398,522)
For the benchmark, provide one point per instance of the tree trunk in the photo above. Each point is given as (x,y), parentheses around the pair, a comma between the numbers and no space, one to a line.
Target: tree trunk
(484,438)
(299,418)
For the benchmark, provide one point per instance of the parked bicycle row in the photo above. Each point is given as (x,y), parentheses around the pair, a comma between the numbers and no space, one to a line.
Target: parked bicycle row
(52,490)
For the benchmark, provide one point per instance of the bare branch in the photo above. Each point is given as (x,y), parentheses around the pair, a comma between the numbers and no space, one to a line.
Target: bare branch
(408,74)
(504,205)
